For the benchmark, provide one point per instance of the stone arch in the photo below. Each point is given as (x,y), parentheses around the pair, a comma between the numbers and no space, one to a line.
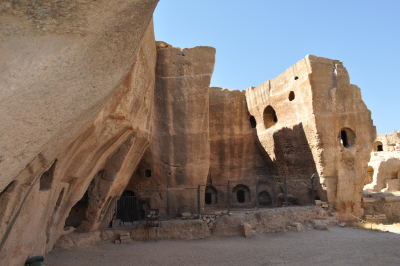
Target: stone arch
(270,117)
(241,194)
(378,146)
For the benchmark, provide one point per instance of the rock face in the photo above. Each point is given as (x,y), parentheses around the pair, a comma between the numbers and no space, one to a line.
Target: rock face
(61,63)
(179,154)
(95,108)
(234,156)
(91,167)
(311,120)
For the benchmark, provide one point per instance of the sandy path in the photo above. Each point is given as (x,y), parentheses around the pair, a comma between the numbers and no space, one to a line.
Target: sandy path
(337,246)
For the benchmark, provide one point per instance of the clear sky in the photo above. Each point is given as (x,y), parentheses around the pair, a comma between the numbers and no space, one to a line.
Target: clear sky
(256,40)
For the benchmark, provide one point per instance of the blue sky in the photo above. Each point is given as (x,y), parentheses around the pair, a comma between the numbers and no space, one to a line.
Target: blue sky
(258,40)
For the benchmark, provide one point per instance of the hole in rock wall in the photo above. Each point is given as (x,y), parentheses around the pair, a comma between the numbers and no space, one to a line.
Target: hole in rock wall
(147,173)
(270,117)
(380,147)
(242,193)
(291,96)
(47,177)
(210,195)
(253,122)
(347,137)
(296,78)
(264,198)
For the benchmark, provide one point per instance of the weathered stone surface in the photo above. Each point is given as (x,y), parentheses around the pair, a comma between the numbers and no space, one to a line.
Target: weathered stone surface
(177,229)
(321,226)
(95,165)
(245,230)
(265,221)
(383,173)
(179,154)
(234,155)
(60,65)
(302,116)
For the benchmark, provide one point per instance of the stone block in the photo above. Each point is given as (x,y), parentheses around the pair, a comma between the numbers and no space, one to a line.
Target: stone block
(117,241)
(299,227)
(246,230)
(342,224)
(368,199)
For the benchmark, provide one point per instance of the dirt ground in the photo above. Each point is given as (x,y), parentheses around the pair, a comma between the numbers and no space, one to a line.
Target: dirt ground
(337,246)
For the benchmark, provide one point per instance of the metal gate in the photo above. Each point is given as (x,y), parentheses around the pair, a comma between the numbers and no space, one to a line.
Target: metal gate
(126,210)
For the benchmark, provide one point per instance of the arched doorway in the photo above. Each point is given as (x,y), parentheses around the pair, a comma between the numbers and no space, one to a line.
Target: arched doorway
(241,194)
(264,199)
(378,146)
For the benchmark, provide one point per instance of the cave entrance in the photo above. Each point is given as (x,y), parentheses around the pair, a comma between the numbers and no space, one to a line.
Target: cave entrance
(380,147)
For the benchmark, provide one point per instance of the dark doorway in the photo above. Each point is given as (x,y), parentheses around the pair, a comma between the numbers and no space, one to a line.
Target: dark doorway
(147,173)
(126,209)
(253,122)
(380,148)
(240,196)
(208,199)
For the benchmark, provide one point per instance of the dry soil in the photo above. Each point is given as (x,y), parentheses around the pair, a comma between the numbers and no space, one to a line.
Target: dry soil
(337,246)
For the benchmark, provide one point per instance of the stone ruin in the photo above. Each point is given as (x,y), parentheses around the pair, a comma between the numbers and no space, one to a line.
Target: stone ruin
(381,194)
(94,108)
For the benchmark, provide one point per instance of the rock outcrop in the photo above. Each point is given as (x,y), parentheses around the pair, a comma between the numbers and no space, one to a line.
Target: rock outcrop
(76,115)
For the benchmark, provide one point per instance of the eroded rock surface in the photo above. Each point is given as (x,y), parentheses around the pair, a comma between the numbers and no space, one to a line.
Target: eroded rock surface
(311,120)
(91,168)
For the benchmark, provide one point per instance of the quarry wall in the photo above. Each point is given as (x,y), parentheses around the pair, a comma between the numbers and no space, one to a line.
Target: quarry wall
(95,108)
